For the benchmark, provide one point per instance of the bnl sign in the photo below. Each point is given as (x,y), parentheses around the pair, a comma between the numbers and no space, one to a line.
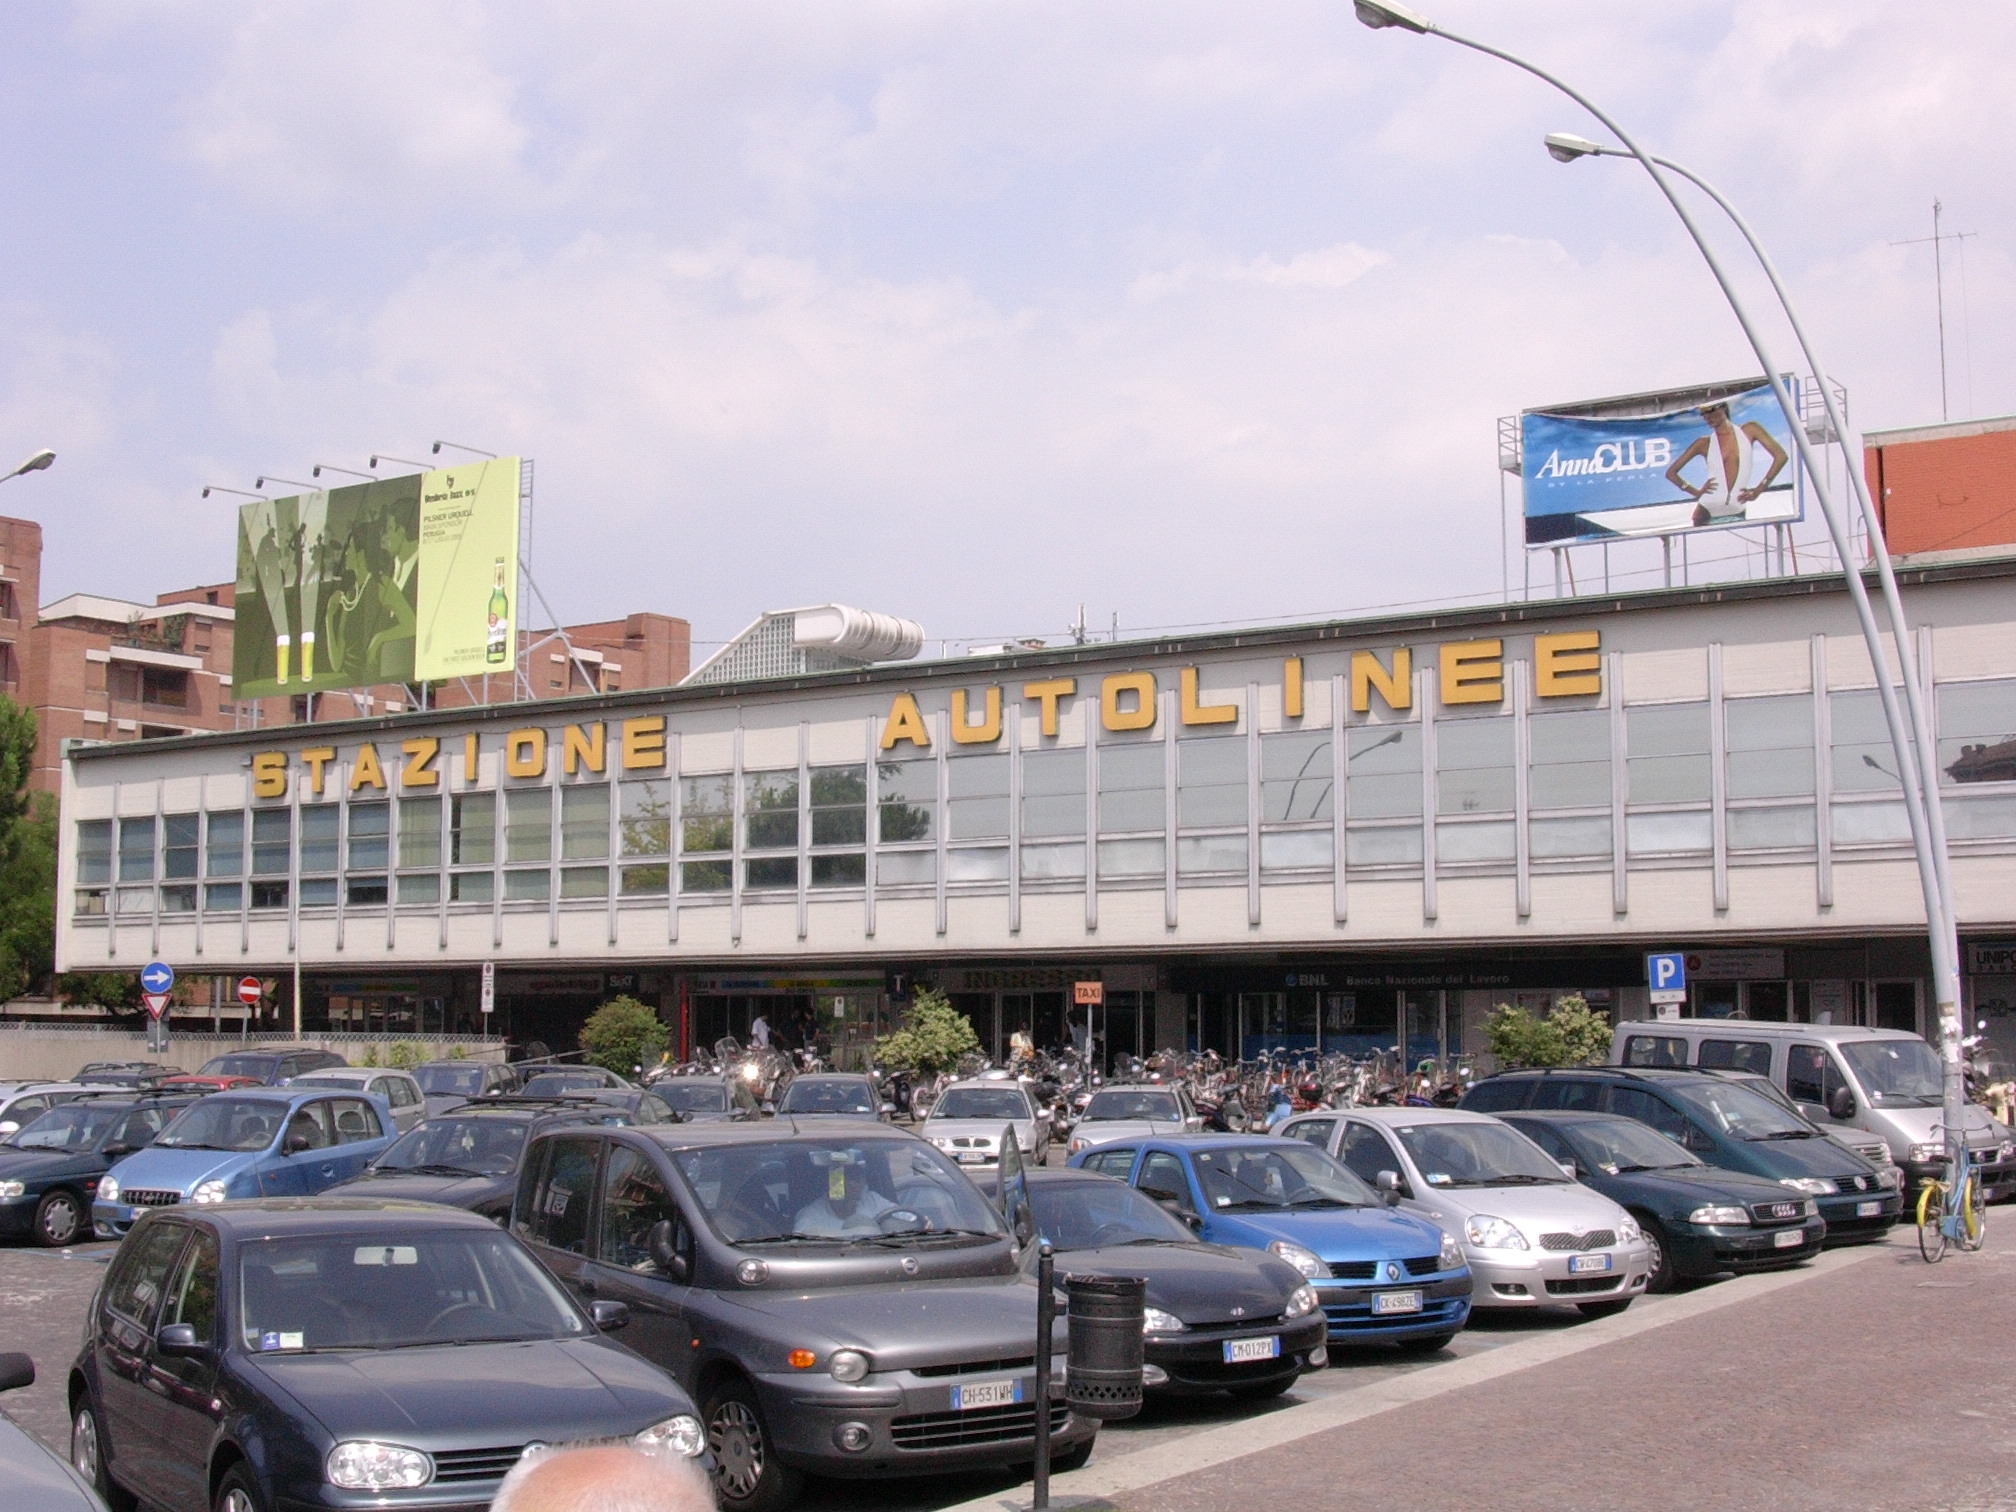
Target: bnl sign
(1666,975)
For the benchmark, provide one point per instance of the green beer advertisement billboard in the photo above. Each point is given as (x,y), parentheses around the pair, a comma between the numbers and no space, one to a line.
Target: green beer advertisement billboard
(408,579)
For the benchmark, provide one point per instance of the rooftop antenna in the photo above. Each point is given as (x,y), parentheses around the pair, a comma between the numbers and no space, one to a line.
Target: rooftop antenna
(1077,627)
(1938,239)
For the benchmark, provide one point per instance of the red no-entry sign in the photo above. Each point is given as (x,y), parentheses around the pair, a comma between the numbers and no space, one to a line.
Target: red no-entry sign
(249,991)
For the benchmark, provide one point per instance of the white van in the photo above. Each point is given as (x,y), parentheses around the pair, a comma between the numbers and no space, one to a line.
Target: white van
(1881,1081)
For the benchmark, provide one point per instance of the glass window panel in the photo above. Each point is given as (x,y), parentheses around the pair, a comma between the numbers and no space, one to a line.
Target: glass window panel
(1977,732)
(1570,760)
(1771,774)
(839,806)
(1134,809)
(318,892)
(645,822)
(770,872)
(1211,782)
(1654,834)
(987,863)
(534,886)
(1210,853)
(224,897)
(1669,779)
(914,781)
(366,892)
(419,832)
(473,841)
(707,813)
(136,850)
(1482,790)
(978,786)
(272,842)
(584,881)
(1295,777)
(1135,765)
(1397,845)
(770,818)
(1771,828)
(839,870)
(472,887)
(906,868)
(178,899)
(1555,839)
(528,825)
(90,902)
(1490,841)
(1126,858)
(1770,746)
(94,850)
(1292,850)
(370,831)
(179,834)
(319,838)
(705,877)
(840,826)
(1871,824)
(1863,759)
(420,887)
(1053,793)
(1570,784)
(1042,863)
(1462,744)
(1383,771)
(269,894)
(1668,745)
(646,881)
(584,822)
(1980,818)
(1395,796)
(135,900)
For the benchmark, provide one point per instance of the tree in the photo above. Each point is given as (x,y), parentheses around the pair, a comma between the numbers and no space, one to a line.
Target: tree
(624,1036)
(118,992)
(933,1037)
(1573,1034)
(28,898)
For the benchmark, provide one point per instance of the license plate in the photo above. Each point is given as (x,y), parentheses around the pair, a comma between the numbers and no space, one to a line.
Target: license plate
(1385,1304)
(986,1394)
(1788,1239)
(1868,1209)
(1582,1265)
(972,1157)
(1238,1350)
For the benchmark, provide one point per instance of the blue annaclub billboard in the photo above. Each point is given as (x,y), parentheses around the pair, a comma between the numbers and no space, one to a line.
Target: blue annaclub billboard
(1707,466)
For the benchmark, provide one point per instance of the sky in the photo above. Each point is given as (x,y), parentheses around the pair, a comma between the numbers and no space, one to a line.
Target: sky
(1193,314)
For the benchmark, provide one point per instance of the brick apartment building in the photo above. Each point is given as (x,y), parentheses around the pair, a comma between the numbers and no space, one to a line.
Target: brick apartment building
(105,669)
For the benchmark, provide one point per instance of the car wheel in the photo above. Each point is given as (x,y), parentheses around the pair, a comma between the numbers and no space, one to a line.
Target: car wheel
(1427,1343)
(59,1218)
(1660,1261)
(88,1458)
(1604,1309)
(1263,1391)
(238,1492)
(748,1476)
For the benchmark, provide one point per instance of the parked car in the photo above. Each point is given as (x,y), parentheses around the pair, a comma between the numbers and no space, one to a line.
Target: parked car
(24,1102)
(200,1084)
(49,1169)
(271,1065)
(1698,1220)
(398,1090)
(546,1081)
(1534,1236)
(836,1295)
(259,1142)
(1723,1122)
(31,1478)
(1381,1276)
(290,1354)
(469,1158)
(967,1119)
(1218,1318)
(123,1073)
(835,1092)
(640,1106)
(706,1099)
(1134,1112)
(446,1083)
(1871,1147)
(1884,1082)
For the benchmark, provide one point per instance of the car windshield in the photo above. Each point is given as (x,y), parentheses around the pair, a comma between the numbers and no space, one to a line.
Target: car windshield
(982,1102)
(73,1126)
(547,1083)
(1901,1073)
(397,1291)
(1615,1145)
(692,1097)
(258,1067)
(1477,1155)
(329,1079)
(1134,1105)
(828,1097)
(1277,1176)
(827,1188)
(449,1081)
(474,1146)
(1076,1215)
(1740,1113)
(225,1123)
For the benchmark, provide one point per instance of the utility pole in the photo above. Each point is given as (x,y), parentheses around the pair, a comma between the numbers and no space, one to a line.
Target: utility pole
(1938,239)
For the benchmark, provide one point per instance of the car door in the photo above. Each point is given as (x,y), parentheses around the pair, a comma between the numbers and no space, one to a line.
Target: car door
(1111,1161)
(1655,1112)
(636,1198)
(556,1207)
(123,1341)
(185,1410)
(1166,1178)
(297,1173)
(363,1129)
(1366,1151)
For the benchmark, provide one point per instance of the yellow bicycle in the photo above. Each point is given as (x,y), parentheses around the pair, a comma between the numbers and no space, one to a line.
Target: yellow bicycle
(1941,1218)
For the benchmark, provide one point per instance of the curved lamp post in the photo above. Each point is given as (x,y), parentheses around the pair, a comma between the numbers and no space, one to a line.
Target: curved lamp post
(1920,797)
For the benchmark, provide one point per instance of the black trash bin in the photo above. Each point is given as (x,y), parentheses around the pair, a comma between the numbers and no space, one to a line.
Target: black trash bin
(1103,1377)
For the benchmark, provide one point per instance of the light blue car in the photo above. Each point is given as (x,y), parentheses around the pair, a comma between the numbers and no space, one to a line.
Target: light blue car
(260,1142)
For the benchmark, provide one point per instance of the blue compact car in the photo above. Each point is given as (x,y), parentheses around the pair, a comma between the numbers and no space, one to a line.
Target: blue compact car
(259,1142)
(1381,1276)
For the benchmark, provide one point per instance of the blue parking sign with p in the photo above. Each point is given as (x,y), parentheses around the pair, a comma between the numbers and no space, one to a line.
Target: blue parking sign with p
(1666,972)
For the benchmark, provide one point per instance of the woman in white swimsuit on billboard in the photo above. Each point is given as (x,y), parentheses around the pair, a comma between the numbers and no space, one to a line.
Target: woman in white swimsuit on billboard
(1728,451)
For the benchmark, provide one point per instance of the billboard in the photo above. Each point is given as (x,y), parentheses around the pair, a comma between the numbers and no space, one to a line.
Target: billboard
(406,579)
(1707,464)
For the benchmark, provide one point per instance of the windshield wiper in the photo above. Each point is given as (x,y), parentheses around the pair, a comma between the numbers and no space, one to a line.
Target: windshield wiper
(190,1144)
(1324,1202)
(1784,1134)
(802,1239)
(430,1169)
(1626,1170)
(1511,1178)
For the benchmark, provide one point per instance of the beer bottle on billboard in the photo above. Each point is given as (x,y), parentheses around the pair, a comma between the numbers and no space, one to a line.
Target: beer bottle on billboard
(495,650)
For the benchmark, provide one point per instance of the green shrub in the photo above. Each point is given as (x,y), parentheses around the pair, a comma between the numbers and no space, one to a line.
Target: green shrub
(369,1057)
(405,1055)
(458,1052)
(933,1036)
(1573,1034)
(624,1036)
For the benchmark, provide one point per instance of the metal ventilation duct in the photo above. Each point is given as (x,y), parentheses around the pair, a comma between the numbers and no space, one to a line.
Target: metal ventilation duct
(857,632)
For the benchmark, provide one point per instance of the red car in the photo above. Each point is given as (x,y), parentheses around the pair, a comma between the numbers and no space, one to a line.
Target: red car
(197,1082)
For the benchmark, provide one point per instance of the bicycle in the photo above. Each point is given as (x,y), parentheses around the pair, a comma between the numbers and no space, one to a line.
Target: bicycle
(1954,1210)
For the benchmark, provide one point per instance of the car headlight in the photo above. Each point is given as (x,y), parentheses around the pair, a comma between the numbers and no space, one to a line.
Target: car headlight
(213,1191)
(1301,1302)
(9,1190)
(1936,1150)
(1628,1231)
(681,1435)
(1304,1260)
(108,1189)
(1817,1186)
(366,1466)
(1075,1146)
(1156,1321)
(1714,1214)
(848,1365)
(1452,1254)
(1889,1176)
(1487,1232)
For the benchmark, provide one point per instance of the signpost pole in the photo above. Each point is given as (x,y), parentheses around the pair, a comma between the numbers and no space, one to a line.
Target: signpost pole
(297,993)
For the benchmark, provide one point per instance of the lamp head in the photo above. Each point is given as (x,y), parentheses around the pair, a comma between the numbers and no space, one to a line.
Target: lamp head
(37,462)
(1565,147)
(1380,14)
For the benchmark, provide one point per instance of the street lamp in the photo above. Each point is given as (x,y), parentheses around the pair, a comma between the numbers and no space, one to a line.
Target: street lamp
(378,457)
(458,446)
(261,482)
(1919,800)
(210,488)
(349,472)
(37,462)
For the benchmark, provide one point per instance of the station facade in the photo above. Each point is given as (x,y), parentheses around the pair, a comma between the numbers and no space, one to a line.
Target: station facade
(1350,834)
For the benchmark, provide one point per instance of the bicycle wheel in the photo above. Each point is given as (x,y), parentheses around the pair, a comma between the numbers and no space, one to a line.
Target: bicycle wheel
(1973,1215)
(1931,1222)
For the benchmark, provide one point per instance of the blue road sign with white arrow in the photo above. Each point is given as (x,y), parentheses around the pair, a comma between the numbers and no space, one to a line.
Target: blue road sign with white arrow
(157,976)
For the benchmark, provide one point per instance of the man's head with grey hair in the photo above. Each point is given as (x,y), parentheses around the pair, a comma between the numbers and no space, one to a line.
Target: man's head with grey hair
(603,1478)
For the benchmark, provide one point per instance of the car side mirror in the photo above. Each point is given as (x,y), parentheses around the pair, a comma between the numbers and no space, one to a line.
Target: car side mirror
(888,1110)
(608,1313)
(16,1371)
(1841,1105)
(8,1126)
(179,1341)
(664,1254)
(118,1151)
(1388,1183)
(768,1106)
(1569,1168)
(294,1144)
